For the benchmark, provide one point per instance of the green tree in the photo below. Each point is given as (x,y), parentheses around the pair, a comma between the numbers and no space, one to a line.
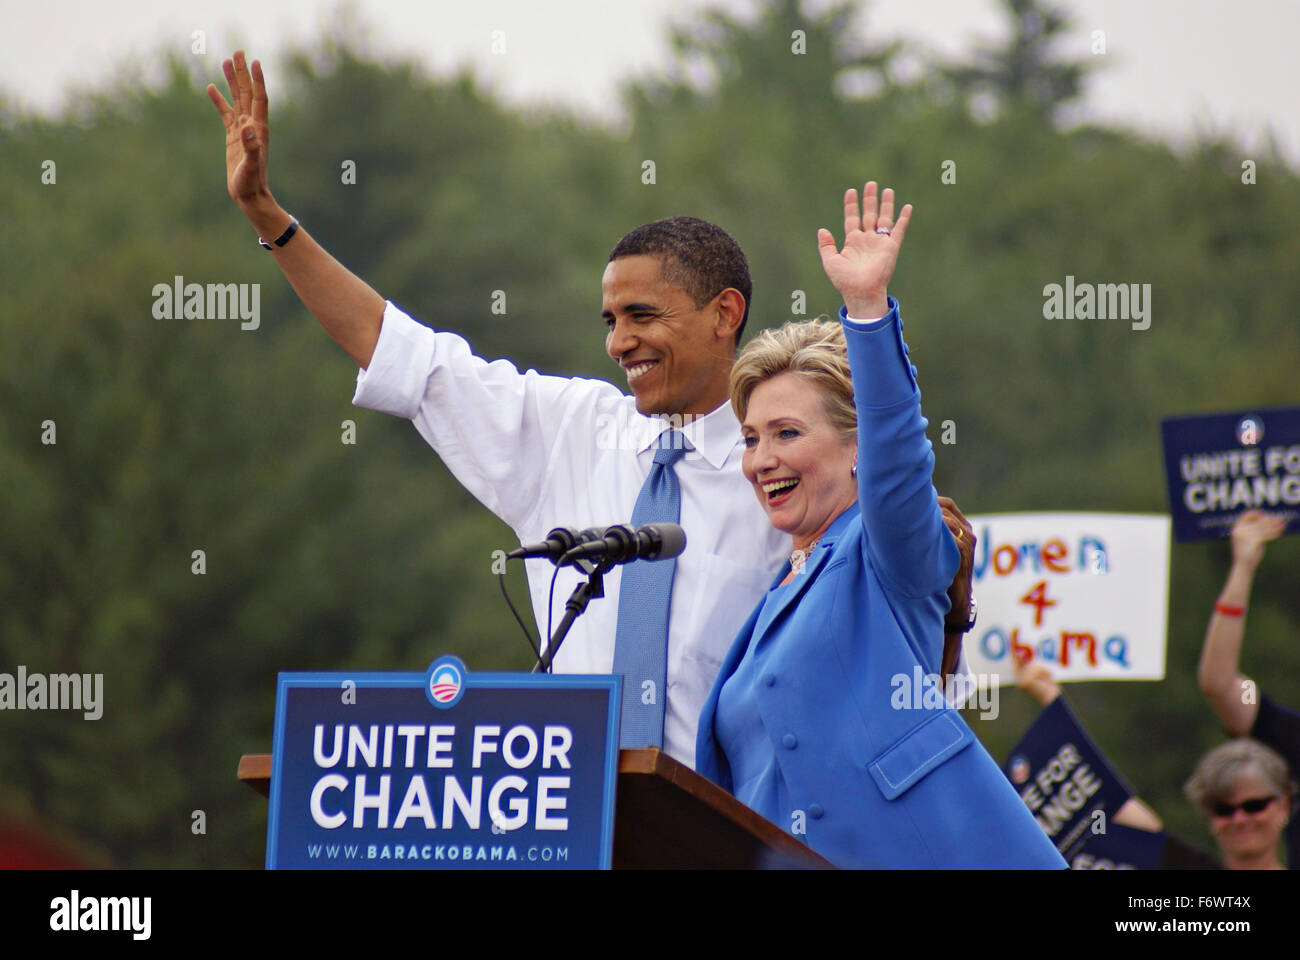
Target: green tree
(176,435)
(1025,73)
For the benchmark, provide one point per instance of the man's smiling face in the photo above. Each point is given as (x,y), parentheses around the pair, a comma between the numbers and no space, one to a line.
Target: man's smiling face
(676,356)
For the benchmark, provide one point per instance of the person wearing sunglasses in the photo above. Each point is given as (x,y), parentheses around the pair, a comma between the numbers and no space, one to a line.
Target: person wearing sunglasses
(1243,708)
(1246,794)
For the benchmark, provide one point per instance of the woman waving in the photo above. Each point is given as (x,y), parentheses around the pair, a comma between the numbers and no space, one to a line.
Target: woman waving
(805,722)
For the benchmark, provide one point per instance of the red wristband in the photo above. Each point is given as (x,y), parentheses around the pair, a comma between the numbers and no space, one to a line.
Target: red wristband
(1228,610)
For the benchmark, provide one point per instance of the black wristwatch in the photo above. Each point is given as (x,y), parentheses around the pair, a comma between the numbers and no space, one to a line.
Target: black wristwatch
(950,627)
(283,238)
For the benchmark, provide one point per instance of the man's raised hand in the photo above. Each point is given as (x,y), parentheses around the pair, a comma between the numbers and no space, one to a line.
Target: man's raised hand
(346,306)
(862,270)
(247,134)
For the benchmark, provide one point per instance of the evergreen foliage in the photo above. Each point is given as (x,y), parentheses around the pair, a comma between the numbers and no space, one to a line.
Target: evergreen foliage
(178,435)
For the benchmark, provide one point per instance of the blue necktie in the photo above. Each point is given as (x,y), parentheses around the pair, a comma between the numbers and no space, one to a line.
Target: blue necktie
(641,643)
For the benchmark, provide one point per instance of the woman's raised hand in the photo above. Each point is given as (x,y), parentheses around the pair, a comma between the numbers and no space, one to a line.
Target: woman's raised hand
(1251,532)
(861,271)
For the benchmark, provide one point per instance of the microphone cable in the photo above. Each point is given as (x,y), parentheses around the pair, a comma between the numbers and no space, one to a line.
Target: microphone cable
(550,612)
(501,581)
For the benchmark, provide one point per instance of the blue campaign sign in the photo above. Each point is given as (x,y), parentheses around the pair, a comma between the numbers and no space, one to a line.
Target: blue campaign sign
(1120,848)
(1064,778)
(443,770)
(1219,466)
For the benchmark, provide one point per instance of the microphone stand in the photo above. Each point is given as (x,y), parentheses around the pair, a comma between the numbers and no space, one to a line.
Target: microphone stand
(594,588)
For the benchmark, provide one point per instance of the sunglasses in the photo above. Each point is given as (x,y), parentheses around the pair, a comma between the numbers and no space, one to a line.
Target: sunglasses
(1252,806)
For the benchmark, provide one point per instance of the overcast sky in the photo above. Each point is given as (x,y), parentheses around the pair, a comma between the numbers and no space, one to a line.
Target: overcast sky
(1172,66)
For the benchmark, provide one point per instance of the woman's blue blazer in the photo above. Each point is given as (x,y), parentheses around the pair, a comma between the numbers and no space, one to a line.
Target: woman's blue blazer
(876,777)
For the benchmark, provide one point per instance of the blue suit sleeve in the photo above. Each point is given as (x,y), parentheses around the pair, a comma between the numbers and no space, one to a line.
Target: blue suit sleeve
(910,546)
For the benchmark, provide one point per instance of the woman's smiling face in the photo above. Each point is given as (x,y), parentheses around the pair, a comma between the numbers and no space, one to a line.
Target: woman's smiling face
(799,464)
(1245,834)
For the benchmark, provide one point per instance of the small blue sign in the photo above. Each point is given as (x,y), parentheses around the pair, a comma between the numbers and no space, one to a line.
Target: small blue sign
(1064,779)
(443,770)
(1219,466)
(1121,848)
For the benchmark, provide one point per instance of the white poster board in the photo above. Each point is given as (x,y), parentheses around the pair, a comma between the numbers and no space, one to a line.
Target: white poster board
(1086,593)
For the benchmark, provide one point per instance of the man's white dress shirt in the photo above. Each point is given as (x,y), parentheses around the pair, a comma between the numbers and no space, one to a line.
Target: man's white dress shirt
(542,452)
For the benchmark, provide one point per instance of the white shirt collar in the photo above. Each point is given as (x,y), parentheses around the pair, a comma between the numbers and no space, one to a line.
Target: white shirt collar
(714,434)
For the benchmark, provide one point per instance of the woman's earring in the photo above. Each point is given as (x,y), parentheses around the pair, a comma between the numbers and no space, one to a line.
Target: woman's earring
(854,471)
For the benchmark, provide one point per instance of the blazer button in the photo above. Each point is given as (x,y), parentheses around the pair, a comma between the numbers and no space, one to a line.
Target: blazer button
(815,811)
(769,680)
(790,741)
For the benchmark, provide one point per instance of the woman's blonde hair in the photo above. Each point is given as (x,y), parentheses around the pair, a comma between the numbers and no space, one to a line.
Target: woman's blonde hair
(1216,775)
(813,350)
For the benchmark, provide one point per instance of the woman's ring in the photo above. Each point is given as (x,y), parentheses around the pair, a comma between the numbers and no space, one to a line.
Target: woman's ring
(884,230)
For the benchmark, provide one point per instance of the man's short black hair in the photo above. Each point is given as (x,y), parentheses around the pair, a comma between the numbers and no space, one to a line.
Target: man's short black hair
(698,256)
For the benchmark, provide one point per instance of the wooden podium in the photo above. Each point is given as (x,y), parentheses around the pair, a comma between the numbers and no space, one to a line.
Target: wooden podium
(666,817)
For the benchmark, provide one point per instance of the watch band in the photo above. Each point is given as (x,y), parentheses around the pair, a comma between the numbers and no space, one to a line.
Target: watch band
(950,627)
(283,238)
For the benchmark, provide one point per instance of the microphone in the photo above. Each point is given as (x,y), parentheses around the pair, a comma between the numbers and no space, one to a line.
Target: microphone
(622,544)
(557,543)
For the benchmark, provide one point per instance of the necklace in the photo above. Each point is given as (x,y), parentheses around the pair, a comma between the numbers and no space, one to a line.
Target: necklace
(800,557)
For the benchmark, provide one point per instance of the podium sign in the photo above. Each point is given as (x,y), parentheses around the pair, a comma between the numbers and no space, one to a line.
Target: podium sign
(443,770)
